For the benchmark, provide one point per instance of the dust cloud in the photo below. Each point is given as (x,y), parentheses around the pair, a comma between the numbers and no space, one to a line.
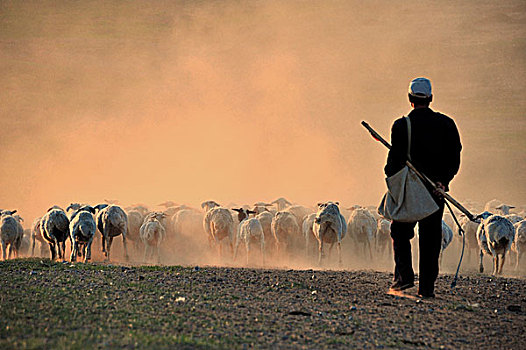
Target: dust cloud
(248,101)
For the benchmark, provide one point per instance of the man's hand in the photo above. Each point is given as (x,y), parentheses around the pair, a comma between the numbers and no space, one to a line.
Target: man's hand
(440,190)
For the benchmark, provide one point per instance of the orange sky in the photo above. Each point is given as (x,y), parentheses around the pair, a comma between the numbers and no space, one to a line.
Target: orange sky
(241,102)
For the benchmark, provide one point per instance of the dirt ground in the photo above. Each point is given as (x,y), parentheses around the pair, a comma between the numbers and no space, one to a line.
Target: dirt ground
(64,305)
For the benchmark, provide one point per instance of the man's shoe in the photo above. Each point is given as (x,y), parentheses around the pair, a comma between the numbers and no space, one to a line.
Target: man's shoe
(400,286)
(426,295)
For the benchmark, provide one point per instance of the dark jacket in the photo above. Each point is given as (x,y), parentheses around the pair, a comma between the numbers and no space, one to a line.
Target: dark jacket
(435,145)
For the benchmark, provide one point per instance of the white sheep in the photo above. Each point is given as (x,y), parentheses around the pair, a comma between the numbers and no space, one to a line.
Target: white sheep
(209,205)
(187,222)
(218,224)
(447,237)
(135,220)
(383,235)
(308,234)
(265,219)
(37,236)
(329,227)
(249,232)
(362,228)
(285,230)
(495,236)
(141,208)
(112,221)
(10,233)
(54,228)
(73,209)
(504,209)
(514,218)
(470,233)
(82,229)
(25,243)
(20,239)
(519,244)
(153,234)
(281,203)
(299,213)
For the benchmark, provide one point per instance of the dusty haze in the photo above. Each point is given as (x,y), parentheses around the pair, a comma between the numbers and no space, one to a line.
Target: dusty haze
(247,101)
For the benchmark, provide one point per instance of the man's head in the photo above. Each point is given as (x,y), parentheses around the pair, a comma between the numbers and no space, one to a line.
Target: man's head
(420,92)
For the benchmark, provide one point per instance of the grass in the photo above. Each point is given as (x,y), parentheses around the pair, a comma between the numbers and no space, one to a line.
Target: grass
(69,306)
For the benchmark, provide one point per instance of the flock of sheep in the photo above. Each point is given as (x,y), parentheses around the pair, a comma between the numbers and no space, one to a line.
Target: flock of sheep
(276,229)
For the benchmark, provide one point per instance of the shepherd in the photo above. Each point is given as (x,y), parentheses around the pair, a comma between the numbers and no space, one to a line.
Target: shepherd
(434,149)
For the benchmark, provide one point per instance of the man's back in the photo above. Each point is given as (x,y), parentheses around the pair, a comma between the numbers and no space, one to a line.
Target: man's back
(435,145)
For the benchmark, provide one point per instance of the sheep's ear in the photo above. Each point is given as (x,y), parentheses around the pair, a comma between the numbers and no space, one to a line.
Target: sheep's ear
(13,211)
(235,209)
(21,219)
(51,209)
(511,206)
(268,205)
(69,206)
(320,205)
(203,205)
(499,207)
(337,203)
(251,212)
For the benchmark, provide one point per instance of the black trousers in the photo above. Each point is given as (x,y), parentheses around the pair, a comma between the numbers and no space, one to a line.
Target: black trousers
(429,241)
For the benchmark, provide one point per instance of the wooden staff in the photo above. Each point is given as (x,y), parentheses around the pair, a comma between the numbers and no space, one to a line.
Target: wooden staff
(460,207)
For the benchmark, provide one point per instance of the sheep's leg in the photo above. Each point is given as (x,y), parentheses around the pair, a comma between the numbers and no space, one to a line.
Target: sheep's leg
(3,251)
(52,251)
(370,250)
(104,245)
(59,254)
(87,253)
(495,264)
(33,246)
(64,250)
(502,263)
(236,247)
(74,250)
(108,249)
(158,255)
(320,250)
(481,266)
(519,255)
(307,244)
(440,258)
(340,253)
(247,245)
(145,253)
(263,253)
(10,251)
(126,256)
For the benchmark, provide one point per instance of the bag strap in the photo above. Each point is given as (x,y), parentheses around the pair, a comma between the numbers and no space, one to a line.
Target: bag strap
(408,122)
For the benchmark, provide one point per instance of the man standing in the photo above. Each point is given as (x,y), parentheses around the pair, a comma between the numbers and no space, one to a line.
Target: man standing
(435,151)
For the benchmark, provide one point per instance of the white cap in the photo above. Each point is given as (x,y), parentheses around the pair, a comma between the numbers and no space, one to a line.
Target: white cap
(420,87)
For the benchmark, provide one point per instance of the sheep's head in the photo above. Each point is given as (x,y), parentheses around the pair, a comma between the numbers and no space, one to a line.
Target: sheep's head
(87,208)
(504,209)
(55,207)
(7,212)
(483,216)
(209,205)
(242,214)
(100,206)
(258,209)
(73,206)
